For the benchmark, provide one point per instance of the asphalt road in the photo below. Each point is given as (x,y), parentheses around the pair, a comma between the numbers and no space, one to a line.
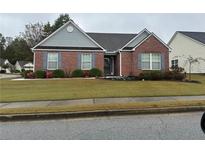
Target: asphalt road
(157,126)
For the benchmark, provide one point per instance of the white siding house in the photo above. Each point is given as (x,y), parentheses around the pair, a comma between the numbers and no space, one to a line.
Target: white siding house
(185,44)
(26,65)
(5,62)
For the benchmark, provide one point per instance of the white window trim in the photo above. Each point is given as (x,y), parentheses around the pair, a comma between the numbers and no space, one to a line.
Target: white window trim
(150,62)
(82,61)
(55,61)
(174,61)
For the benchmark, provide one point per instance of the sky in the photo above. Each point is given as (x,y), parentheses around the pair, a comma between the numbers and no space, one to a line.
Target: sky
(164,25)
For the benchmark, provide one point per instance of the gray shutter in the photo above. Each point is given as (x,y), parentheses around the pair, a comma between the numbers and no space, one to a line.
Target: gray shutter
(45,57)
(139,58)
(79,61)
(162,62)
(93,60)
(59,60)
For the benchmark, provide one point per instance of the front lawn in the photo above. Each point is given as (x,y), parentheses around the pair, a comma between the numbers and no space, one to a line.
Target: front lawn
(81,88)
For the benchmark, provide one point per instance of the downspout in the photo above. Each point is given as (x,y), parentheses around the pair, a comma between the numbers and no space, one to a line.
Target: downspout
(34,57)
(120,63)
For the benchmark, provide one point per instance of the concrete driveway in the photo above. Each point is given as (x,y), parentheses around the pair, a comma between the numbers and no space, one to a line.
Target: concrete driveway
(9,76)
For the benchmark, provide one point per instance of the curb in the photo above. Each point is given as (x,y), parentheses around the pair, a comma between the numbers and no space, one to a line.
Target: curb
(98,113)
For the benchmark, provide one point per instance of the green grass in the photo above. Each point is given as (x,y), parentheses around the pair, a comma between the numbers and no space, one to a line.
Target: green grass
(100,107)
(80,88)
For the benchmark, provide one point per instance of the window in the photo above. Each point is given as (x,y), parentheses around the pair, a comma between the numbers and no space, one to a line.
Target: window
(175,63)
(86,61)
(145,61)
(156,61)
(52,61)
(151,61)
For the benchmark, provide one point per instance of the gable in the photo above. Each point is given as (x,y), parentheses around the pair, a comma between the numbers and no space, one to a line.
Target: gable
(152,44)
(136,40)
(68,36)
(183,45)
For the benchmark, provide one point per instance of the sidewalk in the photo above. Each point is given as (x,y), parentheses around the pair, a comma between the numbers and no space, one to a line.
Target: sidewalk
(58,103)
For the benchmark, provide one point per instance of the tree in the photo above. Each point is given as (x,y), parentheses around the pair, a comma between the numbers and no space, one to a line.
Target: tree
(33,34)
(18,50)
(47,29)
(60,21)
(2,45)
(191,60)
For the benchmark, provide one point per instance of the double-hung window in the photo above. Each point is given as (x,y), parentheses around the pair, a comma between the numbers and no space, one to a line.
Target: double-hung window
(145,61)
(151,61)
(156,61)
(52,61)
(175,63)
(86,61)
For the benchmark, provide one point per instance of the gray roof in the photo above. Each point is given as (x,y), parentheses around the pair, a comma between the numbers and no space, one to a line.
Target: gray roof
(199,36)
(111,41)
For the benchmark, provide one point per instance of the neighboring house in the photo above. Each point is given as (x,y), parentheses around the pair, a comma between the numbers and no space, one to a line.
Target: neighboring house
(185,44)
(5,62)
(26,65)
(71,48)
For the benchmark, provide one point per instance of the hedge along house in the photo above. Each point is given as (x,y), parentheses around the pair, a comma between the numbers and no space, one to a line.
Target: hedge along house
(70,48)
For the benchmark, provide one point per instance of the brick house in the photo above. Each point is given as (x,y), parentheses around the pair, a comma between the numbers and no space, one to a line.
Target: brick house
(71,48)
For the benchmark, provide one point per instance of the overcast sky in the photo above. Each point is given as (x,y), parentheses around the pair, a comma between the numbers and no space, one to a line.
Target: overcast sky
(164,25)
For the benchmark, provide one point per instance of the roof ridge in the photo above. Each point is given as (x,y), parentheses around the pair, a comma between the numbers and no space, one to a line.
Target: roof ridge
(191,31)
(112,33)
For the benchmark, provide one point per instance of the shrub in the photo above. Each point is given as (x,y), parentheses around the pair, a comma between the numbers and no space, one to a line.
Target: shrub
(168,75)
(145,75)
(95,72)
(151,75)
(49,74)
(28,74)
(177,69)
(131,78)
(22,70)
(58,73)
(86,73)
(17,71)
(2,71)
(40,74)
(77,73)
(156,75)
(179,76)
(174,75)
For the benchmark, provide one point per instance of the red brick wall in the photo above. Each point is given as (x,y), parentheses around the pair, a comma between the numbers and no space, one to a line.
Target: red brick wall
(117,65)
(38,60)
(99,61)
(69,60)
(126,65)
(151,45)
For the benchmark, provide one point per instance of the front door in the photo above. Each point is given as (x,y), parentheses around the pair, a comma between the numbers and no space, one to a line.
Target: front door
(107,66)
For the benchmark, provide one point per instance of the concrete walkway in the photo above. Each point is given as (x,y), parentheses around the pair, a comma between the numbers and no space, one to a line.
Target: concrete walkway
(96,101)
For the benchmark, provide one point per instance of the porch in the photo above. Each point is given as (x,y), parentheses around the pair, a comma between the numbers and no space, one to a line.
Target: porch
(110,65)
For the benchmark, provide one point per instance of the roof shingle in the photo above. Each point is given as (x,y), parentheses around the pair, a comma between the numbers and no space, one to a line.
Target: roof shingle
(111,41)
(199,36)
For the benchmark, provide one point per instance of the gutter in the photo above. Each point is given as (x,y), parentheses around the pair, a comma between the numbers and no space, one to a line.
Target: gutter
(120,63)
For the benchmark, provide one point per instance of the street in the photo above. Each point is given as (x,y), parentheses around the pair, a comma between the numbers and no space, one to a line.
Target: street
(156,126)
